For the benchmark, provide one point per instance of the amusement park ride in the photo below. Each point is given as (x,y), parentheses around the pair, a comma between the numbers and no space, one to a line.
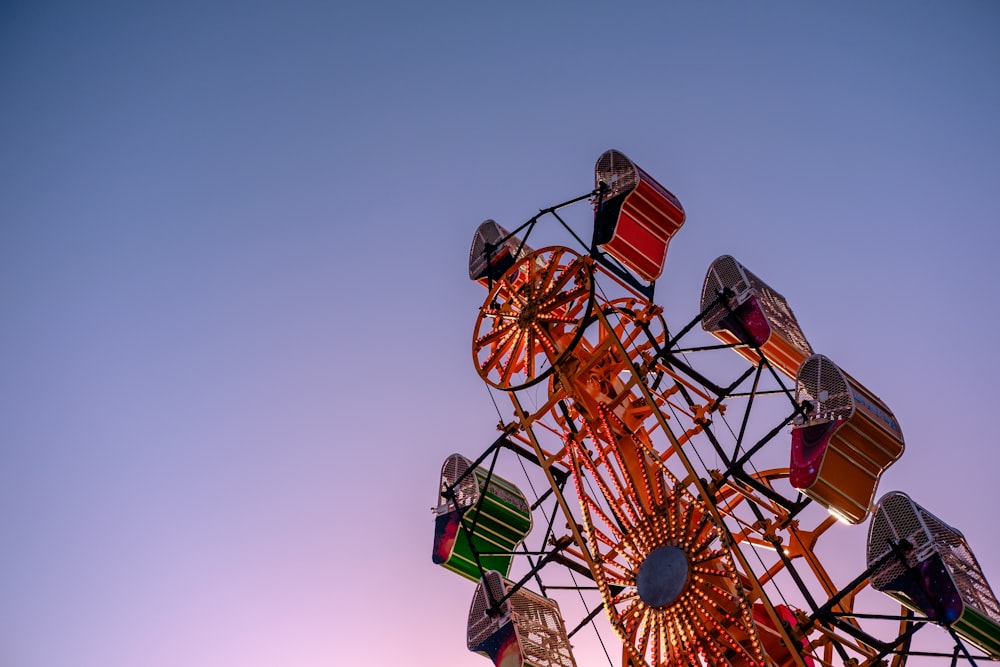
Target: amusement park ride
(678,506)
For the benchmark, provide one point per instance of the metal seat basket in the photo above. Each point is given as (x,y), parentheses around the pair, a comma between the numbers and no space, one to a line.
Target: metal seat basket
(846,441)
(480,520)
(636,217)
(493,251)
(753,314)
(526,631)
(928,566)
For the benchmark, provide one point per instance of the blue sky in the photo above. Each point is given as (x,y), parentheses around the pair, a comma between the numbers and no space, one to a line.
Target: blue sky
(235,315)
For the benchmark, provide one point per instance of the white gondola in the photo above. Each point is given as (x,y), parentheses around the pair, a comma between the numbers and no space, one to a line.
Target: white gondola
(526,631)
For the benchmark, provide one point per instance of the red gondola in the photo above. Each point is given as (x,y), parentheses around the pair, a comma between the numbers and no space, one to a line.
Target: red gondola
(636,216)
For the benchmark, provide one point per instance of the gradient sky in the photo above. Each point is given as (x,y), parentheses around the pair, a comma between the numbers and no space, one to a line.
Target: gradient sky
(235,319)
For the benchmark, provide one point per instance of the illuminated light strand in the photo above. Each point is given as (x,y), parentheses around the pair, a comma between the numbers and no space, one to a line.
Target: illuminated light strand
(505,334)
(632,614)
(607,417)
(590,529)
(499,330)
(599,577)
(646,623)
(576,270)
(698,646)
(617,536)
(656,632)
(671,636)
(494,314)
(714,554)
(606,493)
(704,542)
(545,338)
(554,301)
(509,368)
(556,319)
(703,631)
(529,358)
(687,638)
(546,273)
(719,602)
(723,632)
(629,595)
(612,499)
(697,529)
(514,292)
(620,488)
(495,358)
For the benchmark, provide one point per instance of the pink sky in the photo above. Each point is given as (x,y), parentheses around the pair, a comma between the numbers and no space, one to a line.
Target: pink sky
(236,318)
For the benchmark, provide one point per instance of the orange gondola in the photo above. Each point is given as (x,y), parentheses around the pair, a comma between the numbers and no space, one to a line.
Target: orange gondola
(845,442)
(752,314)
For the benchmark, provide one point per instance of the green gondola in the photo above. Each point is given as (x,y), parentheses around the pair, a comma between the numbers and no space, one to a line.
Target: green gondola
(480,520)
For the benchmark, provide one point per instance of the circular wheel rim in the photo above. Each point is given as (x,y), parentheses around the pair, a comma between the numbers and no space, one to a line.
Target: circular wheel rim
(532,318)
(630,515)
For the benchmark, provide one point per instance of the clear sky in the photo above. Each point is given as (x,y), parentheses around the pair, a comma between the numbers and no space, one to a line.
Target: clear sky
(235,319)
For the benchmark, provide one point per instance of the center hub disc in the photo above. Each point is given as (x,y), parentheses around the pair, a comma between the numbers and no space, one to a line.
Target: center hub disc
(663,576)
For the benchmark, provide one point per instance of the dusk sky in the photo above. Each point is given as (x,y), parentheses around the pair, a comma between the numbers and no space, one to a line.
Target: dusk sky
(235,314)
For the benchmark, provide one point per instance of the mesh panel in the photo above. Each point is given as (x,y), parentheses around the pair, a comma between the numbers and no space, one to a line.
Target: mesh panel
(467,492)
(897,518)
(617,172)
(962,564)
(724,272)
(481,624)
(894,520)
(779,314)
(541,632)
(823,384)
(487,235)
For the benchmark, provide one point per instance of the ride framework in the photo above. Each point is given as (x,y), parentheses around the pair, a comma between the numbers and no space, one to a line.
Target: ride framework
(668,497)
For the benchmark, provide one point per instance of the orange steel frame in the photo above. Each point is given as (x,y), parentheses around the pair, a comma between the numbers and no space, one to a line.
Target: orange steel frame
(635,445)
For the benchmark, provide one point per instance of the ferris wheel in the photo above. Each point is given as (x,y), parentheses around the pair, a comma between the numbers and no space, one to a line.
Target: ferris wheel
(698,497)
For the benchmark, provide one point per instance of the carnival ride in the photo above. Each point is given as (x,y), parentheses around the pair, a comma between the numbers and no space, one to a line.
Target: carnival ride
(674,504)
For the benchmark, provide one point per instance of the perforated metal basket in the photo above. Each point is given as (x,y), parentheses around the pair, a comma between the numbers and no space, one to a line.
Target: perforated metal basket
(821,382)
(467,488)
(489,258)
(480,519)
(847,438)
(526,623)
(725,273)
(617,172)
(927,565)
(636,216)
(898,519)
